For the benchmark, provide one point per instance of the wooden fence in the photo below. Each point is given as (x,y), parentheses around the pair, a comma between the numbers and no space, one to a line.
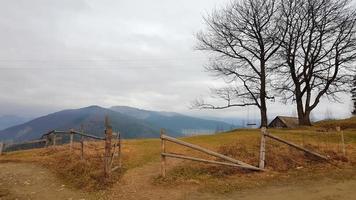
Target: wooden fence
(228,160)
(52,138)
(265,135)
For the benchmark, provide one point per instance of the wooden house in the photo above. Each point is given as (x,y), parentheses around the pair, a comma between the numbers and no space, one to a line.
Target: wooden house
(284,122)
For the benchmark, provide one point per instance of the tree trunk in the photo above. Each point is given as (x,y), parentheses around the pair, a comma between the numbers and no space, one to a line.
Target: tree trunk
(264,121)
(304,120)
(303,116)
(263,108)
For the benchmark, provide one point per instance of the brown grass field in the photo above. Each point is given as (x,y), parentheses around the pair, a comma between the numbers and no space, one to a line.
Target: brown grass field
(284,164)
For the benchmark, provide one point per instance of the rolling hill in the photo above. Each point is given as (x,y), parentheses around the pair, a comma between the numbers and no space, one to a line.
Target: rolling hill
(131,122)
(91,117)
(7,121)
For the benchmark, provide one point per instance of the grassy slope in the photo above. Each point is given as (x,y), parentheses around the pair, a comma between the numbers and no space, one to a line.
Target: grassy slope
(282,161)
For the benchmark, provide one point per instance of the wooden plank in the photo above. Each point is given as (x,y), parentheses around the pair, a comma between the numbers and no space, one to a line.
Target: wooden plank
(297,146)
(212,153)
(30,142)
(88,135)
(263,148)
(203,160)
(163,157)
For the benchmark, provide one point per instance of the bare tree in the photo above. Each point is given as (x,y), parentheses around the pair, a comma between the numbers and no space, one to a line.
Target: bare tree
(353,92)
(317,52)
(242,39)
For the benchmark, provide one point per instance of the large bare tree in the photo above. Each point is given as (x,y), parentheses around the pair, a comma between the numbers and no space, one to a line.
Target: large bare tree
(353,93)
(317,53)
(242,39)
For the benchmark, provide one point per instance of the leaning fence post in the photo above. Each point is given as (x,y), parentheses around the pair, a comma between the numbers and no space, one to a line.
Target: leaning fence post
(263,148)
(163,157)
(338,129)
(1,147)
(108,136)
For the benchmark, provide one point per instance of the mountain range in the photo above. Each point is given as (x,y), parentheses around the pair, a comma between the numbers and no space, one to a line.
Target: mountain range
(131,122)
(7,121)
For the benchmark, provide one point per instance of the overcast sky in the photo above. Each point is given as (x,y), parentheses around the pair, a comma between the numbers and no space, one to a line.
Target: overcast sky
(62,54)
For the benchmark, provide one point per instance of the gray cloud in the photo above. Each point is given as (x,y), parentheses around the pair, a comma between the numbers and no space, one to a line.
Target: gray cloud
(68,54)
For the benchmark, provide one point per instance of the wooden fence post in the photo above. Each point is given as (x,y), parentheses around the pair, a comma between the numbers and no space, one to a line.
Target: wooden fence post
(120,164)
(71,140)
(263,148)
(1,147)
(338,129)
(54,139)
(82,147)
(47,141)
(107,156)
(163,157)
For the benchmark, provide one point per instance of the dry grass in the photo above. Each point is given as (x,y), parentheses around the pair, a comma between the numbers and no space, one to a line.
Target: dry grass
(282,161)
(343,123)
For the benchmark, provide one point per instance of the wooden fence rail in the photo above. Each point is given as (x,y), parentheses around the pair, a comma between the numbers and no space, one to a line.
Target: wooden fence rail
(230,161)
(265,134)
(297,147)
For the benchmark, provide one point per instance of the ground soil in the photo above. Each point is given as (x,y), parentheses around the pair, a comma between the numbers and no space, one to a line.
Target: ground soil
(26,181)
(138,183)
(325,189)
(29,181)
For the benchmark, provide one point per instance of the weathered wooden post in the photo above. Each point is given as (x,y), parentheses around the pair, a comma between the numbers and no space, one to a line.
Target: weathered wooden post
(338,129)
(47,142)
(81,147)
(1,147)
(71,139)
(263,148)
(119,137)
(107,156)
(54,139)
(163,157)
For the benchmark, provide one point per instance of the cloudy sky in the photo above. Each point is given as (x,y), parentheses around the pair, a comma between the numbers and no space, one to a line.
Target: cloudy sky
(62,54)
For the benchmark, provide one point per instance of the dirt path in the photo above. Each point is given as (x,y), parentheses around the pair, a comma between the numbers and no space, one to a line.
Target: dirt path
(30,182)
(137,184)
(326,189)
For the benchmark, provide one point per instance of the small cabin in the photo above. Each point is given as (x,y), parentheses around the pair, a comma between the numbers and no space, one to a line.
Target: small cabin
(284,122)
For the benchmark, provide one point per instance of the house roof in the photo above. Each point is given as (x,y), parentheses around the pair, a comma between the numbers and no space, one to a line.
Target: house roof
(290,122)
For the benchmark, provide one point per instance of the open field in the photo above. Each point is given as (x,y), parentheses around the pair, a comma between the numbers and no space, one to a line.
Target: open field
(139,178)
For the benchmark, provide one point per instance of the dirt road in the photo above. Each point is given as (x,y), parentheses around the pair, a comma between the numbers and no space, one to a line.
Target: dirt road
(137,184)
(326,189)
(30,182)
